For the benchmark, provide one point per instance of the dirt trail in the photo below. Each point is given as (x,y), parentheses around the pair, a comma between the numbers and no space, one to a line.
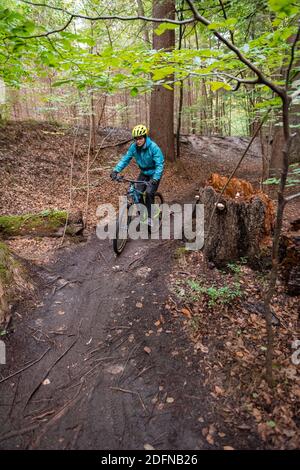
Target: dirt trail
(97,387)
(94,320)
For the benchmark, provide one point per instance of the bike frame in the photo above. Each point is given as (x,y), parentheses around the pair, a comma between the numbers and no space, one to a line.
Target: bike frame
(133,198)
(132,191)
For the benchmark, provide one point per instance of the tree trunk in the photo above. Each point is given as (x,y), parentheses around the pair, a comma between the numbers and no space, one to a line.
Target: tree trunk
(141,12)
(180,104)
(276,153)
(289,258)
(93,124)
(295,144)
(162,100)
(279,139)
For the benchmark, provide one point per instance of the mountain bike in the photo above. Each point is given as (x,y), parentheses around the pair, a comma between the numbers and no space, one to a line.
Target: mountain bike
(134,197)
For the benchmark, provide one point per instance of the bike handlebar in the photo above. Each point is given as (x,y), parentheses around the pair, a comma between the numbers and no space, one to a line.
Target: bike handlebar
(121,179)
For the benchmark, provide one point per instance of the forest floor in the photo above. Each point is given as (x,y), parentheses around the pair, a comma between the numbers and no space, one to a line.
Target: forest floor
(129,352)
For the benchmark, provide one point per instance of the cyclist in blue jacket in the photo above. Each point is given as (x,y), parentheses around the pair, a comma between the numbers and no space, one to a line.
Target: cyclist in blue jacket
(150,161)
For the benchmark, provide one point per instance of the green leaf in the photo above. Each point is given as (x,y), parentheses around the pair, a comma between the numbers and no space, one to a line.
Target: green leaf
(168,87)
(288,7)
(272,181)
(273,102)
(271,424)
(119,77)
(86,40)
(218,85)
(62,82)
(134,91)
(228,24)
(162,72)
(66,44)
(29,26)
(293,181)
(163,27)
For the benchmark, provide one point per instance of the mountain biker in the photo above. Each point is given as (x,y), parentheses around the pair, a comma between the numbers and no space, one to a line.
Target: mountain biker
(150,161)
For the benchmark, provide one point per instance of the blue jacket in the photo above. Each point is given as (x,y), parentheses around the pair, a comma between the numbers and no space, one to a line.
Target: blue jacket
(149,159)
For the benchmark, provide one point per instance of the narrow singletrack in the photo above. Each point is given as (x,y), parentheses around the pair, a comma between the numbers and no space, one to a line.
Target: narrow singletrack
(111,378)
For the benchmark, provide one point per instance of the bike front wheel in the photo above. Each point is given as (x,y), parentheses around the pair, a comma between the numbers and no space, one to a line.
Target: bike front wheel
(122,225)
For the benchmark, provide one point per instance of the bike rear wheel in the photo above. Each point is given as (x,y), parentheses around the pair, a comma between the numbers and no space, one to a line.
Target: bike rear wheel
(157,215)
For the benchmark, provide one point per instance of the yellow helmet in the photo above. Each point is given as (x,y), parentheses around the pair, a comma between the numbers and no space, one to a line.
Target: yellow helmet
(139,131)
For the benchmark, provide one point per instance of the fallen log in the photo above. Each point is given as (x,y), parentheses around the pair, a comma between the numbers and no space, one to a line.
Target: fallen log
(48,223)
(242,220)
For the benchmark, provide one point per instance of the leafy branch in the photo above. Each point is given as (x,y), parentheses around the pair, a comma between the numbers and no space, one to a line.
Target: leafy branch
(97,18)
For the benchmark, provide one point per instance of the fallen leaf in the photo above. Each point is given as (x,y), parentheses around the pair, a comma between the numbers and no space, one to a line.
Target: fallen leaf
(244,426)
(228,448)
(139,305)
(202,348)
(147,350)
(186,312)
(257,414)
(289,432)
(157,323)
(170,400)
(115,369)
(46,382)
(210,439)
(219,390)
(212,429)
(148,447)
(61,312)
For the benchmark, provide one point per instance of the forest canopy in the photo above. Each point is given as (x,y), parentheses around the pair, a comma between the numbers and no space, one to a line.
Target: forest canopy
(103,46)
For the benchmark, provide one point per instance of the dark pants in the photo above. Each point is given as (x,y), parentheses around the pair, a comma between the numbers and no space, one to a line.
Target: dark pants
(150,190)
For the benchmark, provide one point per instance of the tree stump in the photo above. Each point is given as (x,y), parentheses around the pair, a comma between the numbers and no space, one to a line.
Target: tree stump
(240,226)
